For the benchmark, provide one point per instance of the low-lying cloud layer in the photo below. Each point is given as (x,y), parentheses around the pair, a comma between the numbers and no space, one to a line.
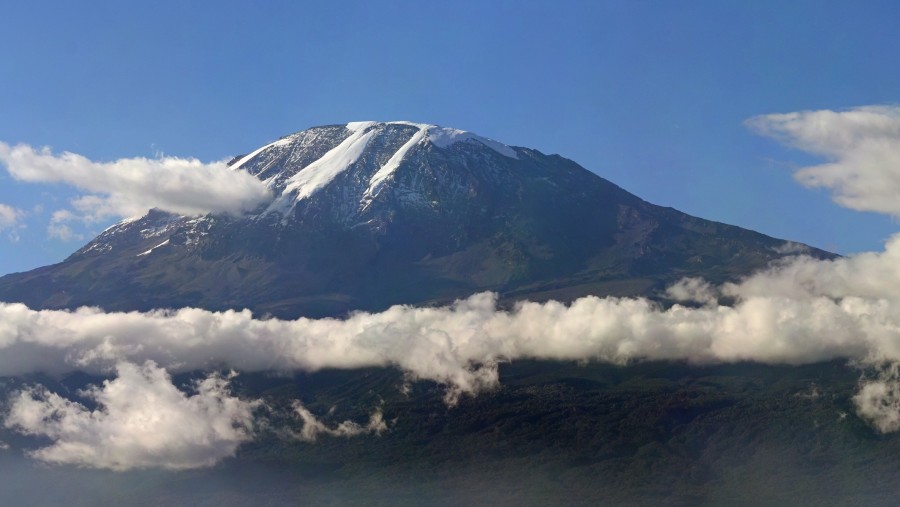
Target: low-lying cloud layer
(131,186)
(459,345)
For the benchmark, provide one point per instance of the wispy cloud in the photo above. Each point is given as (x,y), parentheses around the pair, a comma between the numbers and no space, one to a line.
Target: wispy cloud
(11,221)
(10,217)
(130,186)
(58,229)
(312,427)
(861,146)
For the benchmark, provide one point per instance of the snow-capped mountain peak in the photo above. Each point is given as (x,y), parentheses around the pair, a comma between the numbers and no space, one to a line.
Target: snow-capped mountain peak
(300,165)
(369,214)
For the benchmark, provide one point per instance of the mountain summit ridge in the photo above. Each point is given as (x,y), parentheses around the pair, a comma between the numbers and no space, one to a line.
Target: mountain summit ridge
(369,214)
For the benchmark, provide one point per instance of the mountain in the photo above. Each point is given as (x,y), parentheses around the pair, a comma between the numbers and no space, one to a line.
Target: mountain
(366,215)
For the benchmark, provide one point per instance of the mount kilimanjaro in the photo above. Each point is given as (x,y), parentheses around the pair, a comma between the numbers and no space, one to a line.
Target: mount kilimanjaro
(368,214)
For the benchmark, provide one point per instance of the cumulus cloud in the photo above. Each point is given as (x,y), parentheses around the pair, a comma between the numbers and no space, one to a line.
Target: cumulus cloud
(861,146)
(313,427)
(142,420)
(130,186)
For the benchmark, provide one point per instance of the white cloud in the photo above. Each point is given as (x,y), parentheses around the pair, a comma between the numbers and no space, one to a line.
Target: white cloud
(142,420)
(313,427)
(129,187)
(862,147)
(3,446)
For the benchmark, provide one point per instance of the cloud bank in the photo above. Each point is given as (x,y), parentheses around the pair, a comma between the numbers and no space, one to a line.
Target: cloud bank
(861,146)
(459,345)
(131,186)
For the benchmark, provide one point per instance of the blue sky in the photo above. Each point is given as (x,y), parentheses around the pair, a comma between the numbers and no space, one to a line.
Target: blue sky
(651,95)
